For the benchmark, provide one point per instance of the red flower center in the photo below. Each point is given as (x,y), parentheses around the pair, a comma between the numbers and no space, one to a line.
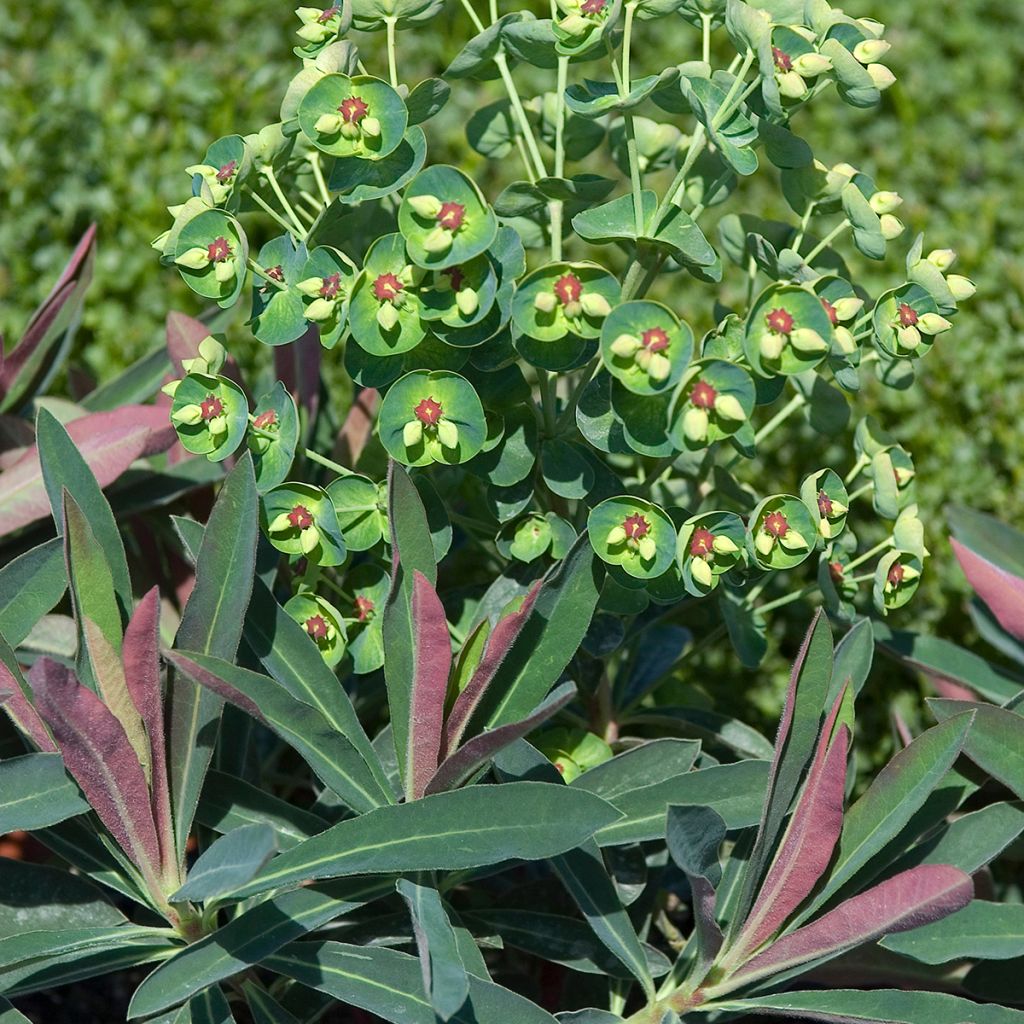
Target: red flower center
(386,287)
(824,505)
(895,576)
(783,61)
(330,286)
(300,517)
(227,171)
(218,250)
(636,526)
(703,395)
(568,288)
(316,627)
(456,276)
(593,6)
(654,340)
(276,273)
(265,420)
(353,110)
(328,13)
(428,412)
(776,524)
(451,216)
(831,310)
(702,542)
(212,407)
(779,321)
(907,315)
(835,570)
(364,608)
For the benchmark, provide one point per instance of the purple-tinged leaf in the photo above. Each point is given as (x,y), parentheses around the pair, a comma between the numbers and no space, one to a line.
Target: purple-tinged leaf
(18,704)
(297,366)
(184,333)
(98,755)
(432,651)
(498,643)
(460,765)
(358,426)
(908,900)
(809,840)
(794,745)
(1001,590)
(141,655)
(30,586)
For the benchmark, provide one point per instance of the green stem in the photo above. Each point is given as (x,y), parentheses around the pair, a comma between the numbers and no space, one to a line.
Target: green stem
(318,174)
(517,107)
(392,54)
(796,402)
(547,400)
(869,554)
(308,452)
(557,206)
(477,23)
(705,48)
(725,110)
(826,241)
(804,223)
(269,210)
(268,171)
(861,491)
(781,602)
(860,464)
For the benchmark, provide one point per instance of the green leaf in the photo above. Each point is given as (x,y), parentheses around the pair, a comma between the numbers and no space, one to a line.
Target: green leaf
(389,984)
(30,586)
(426,99)
(35,791)
(9,1015)
(212,624)
(982,930)
(265,1008)
(230,861)
(646,765)
(68,943)
(462,829)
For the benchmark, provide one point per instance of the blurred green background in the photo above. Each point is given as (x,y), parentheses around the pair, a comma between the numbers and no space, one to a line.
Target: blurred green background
(105,103)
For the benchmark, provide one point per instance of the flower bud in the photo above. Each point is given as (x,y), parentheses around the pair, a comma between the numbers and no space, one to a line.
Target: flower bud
(188,415)
(771,346)
(961,287)
(722,545)
(467,301)
(881,76)
(447,433)
(595,305)
(224,271)
(870,51)
(647,548)
(387,316)
(848,307)
(695,424)
(643,359)
(908,338)
(892,227)
(616,535)
(438,241)
(810,65)
(218,425)
(196,258)
(872,27)
(197,365)
(575,25)
(625,346)
(313,33)
(885,202)
(370,127)
(942,259)
(847,170)
(412,433)
(729,407)
(701,572)
(932,323)
(328,124)
(213,352)
(545,302)
(659,368)
(349,130)
(309,539)
(825,529)
(321,309)
(280,524)
(170,387)
(764,542)
(793,541)
(792,85)
(808,341)
(845,341)
(310,286)
(160,242)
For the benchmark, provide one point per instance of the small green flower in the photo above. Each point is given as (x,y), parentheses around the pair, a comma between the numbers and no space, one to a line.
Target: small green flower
(714,401)
(359,116)
(897,577)
(646,346)
(209,413)
(299,520)
(709,546)
(788,331)
(781,532)
(633,534)
(795,60)
(564,299)
(322,623)
(827,500)
(319,25)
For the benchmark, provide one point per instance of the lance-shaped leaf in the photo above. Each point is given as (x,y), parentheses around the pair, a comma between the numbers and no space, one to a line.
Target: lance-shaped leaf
(995,742)
(9,1015)
(498,644)
(211,624)
(265,1008)
(445,980)
(35,791)
(550,636)
(64,468)
(432,661)
(695,835)
(411,552)
(794,745)
(329,753)
(916,897)
(98,754)
(209,1007)
(227,863)
(472,756)
(883,1006)
(388,984)
(30,586)
(464,829)
(809,839)
(16,698)
(982,930)
(249,938)
(645,765)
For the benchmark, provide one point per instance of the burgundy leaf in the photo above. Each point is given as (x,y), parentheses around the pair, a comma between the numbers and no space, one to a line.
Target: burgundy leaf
(184,333)
(141,656)
(498,645)
(433,662)
(297,366)
(461,764)
(704,899)
(74,267)
(809,840)
(98,755)
(357,428)
(1002,591)
(908,900)
(35,334)
(20,709)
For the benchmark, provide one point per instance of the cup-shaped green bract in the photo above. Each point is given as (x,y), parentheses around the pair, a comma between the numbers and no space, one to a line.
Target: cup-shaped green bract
(445,219)
(460,295)
(836,584)
(368,584)
(644,421)
(432,417)
(562,299)
(532,535)
(904,320)
(278,312)
(225,168)
(211,253)
(645,346)
(633,534)
(372,15)
(788,331)
(322,623)
(326,285)
(360,508)
(299,520)
(893,478)
(210,415)
(709,545)
(781,532)
(581,25)
(384,312)
(273,437)
(714,401)
(573,751)
(897,577)
(828,501)
(359,116)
